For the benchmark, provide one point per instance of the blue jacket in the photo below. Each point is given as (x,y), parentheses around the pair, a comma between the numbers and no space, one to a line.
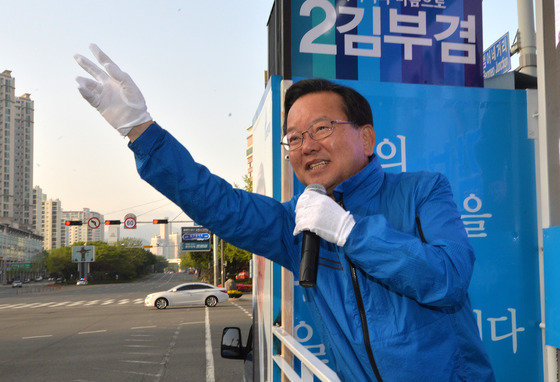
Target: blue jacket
(413,292)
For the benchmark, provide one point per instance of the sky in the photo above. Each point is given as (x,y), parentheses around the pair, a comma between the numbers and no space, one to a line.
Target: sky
(199,64)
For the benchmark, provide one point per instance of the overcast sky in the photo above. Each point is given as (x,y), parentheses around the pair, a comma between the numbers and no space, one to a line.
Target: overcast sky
(199,64)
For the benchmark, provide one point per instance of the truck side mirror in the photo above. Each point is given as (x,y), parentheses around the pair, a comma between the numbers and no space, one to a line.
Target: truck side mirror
(231,344)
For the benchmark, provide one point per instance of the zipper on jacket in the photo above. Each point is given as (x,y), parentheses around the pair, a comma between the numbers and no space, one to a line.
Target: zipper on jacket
(363,317)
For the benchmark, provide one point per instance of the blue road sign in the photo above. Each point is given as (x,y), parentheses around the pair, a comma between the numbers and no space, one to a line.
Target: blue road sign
(196,236)
(496,59)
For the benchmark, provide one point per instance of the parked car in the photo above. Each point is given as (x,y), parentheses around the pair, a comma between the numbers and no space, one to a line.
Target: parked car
(38,278)
(187,294)
(17,284)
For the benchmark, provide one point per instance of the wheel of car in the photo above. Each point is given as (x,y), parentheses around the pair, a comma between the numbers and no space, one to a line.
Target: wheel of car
(211,301)
(161,303)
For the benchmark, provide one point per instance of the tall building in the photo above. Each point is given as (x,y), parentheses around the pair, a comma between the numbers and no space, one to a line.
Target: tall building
(82,233)
(38,217)
(16,154)
(53,231)
(249,152)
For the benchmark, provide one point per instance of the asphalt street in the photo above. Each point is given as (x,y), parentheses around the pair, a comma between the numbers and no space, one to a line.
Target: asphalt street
(105,333)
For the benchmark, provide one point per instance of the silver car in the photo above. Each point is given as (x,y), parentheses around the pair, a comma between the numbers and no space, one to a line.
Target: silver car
(188,294)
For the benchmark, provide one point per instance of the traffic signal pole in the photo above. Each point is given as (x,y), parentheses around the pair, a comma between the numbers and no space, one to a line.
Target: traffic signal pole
(215,252)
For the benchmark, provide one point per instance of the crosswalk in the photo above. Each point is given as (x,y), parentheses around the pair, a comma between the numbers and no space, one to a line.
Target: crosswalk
(80,303)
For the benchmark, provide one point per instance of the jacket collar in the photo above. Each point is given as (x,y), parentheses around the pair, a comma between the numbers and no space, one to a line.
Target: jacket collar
(367,181)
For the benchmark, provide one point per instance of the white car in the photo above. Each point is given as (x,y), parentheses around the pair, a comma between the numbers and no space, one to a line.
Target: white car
(188,294)
(82,281)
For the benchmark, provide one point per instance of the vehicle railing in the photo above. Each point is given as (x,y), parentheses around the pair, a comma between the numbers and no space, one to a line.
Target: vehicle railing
(310,364)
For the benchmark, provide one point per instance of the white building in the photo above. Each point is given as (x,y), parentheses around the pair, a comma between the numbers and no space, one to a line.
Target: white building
(53,231)
(16,154)
(113,234)
(82,233)
(166,244)
(38,217)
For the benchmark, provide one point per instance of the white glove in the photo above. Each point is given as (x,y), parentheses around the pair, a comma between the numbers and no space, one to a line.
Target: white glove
(320,214)
(113,94)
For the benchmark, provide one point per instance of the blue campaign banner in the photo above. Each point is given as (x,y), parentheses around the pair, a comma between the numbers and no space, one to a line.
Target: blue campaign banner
(551,255)
(496,59)
(478,139)
(409,41)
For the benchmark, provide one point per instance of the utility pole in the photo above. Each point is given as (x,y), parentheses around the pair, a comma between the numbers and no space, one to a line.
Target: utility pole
(215,251)
(526,41)
(222,261)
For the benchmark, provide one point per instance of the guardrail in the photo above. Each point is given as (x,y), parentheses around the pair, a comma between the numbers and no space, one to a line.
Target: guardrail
(310,364)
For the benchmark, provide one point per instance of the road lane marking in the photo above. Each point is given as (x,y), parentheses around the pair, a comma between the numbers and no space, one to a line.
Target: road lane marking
(60,303)
(242,308)
(92,302)
(143,327)
(125,301)
(77,303)
(139,346)
(26,305)
(108,302)
(141,335)
(93,331)
(32,337)
(190,323)
(139,301)
(44,304)
(147,362)
(209,356)
(137,340)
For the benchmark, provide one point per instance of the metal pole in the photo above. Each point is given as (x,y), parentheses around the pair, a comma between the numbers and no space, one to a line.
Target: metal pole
(527,38)
(222,261)
(215,251)
(550,362)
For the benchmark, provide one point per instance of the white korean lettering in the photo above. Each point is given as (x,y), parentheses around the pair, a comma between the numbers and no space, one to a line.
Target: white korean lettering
(514,329)
(396,20)
(478,314)
(474,228)
(382,152)
(453,22)
(375,41)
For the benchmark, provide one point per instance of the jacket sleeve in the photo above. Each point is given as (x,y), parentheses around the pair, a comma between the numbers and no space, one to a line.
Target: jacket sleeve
(436,273)
(249,221)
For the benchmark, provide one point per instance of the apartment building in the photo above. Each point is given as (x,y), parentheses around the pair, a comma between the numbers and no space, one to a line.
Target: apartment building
(16,154)
(82,233)
(53,230)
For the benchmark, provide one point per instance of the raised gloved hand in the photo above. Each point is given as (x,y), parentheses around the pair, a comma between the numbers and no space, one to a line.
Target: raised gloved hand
(113,93)
(320,214)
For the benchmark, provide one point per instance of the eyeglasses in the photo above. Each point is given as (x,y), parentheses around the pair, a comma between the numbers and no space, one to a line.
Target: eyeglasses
(321,130)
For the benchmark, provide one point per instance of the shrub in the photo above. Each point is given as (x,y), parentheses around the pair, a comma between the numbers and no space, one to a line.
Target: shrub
(234,293)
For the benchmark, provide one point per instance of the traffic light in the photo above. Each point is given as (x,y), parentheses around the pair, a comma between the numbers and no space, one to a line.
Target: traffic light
(160,221)
(112,222)
(73,222)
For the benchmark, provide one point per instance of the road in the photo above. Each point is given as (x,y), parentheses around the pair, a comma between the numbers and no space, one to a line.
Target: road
(105,333)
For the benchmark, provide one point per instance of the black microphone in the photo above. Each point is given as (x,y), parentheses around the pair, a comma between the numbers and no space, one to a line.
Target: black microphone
(310,250)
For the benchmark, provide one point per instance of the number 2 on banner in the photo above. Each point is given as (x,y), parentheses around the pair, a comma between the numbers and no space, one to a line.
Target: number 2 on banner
(307,44)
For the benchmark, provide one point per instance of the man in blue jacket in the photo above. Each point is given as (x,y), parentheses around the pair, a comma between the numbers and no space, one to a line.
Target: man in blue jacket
(395,263)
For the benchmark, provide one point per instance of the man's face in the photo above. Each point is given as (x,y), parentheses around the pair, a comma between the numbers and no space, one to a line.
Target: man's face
(333,159)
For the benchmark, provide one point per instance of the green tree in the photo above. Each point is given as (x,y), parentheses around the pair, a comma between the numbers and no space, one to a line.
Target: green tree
(59,262)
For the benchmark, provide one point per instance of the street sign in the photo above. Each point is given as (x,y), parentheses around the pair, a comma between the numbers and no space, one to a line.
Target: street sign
(130,221)
(84,254)
(195,239)
(196,236)
(94,223)
(20,266)
(496,59)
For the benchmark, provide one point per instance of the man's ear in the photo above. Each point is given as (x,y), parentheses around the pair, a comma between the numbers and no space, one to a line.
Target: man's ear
(368,138)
